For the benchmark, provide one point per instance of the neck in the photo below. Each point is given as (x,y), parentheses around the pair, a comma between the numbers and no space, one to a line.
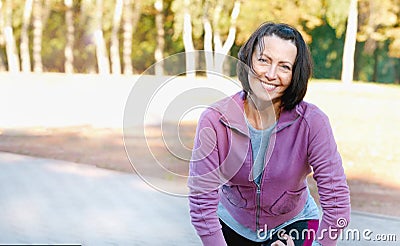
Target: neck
(261,115)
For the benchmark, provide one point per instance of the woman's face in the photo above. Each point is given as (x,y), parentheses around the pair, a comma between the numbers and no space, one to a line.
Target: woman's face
(273,66)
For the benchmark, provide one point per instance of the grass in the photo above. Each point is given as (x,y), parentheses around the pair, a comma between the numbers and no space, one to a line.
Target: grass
(366,122)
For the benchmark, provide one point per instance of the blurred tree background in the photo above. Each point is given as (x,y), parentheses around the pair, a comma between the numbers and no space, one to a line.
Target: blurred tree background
(128,36)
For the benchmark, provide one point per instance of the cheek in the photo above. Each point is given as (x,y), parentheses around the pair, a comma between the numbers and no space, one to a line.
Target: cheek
(286,80)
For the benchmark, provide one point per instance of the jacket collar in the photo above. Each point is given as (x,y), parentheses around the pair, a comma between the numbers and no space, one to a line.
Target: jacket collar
(232,113)
(288,117)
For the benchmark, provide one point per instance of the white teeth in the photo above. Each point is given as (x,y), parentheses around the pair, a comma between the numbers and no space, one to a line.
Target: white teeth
(269,87)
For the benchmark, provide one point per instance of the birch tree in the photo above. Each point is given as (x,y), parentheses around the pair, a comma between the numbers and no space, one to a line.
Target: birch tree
(2,42)
(131,16)
(24,45)
(114,47)
(101,51)
(37,36)
(86,61)
(337,14)
(212,34)
(12,56)
(68,52)
(41,11)
(188,41)
(350,44)
(188,24)
(158,54)
(208,16)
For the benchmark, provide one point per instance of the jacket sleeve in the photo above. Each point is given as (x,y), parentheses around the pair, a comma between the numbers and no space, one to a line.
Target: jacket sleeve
(204,182)
(329,174)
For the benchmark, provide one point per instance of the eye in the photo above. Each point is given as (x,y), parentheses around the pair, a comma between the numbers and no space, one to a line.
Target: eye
(286,67)
(264,60)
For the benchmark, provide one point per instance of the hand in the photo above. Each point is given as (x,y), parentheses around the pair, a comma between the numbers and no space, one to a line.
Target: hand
(288,239)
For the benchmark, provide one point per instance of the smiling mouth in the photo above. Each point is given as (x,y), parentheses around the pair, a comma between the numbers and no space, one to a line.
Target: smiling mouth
(268,87)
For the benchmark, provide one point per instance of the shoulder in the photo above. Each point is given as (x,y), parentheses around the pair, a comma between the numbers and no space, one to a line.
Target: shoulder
(312,114)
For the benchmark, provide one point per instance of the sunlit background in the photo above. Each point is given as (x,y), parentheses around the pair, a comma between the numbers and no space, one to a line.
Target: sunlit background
(67,68)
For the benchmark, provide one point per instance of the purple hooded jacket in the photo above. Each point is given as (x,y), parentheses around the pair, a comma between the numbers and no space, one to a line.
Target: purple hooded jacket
(302,142)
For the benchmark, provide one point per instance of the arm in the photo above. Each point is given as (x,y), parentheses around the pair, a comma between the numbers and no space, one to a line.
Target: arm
(331,180)
(203,183)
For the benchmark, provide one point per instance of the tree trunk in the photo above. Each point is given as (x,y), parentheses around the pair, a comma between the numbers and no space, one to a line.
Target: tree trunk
(216,18)
(188,42)
(350,44)
(396,71)
(215,59)
(158,54)
(46,10)
(357,65)
(87,23)
(230,40)
(128,32)
(221,50)
(68,52)
(37,36)
(208,35)
(376,64)
(12,56)
(24,46)
(2,42)
(130,20)
(114,47)
(101,51)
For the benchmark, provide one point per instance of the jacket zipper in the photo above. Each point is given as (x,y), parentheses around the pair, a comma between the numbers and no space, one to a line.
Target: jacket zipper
(258,206)
(258,191)
(258,186)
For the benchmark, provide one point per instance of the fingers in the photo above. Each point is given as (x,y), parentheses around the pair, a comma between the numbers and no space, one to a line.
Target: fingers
(289,241)
(278,243)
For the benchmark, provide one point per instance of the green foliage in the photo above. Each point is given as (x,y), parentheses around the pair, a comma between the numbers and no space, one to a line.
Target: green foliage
(379,22)
(336,13)
(377,66)
(144,41)
(54,42)
(84,47)
(172,44)
(17,10)
(304,15)
(196,11)
(327,51)
(322,22)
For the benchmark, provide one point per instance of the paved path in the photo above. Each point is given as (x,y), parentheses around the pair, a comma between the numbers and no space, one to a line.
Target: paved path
(55,202)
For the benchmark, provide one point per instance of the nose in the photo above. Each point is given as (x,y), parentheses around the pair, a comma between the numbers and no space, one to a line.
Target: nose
(271,73)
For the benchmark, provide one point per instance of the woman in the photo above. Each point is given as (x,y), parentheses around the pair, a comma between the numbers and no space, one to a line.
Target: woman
(254,150)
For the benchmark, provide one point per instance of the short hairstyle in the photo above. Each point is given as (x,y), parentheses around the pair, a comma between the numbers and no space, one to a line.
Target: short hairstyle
(302,67)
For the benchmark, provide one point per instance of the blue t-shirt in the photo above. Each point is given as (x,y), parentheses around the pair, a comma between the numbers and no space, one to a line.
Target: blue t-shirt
(259,140)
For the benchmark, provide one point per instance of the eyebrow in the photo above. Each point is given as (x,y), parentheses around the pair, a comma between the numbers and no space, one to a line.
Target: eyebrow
(265,55)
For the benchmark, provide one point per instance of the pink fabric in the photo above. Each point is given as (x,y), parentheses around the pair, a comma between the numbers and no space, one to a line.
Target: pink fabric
(312,226)
(222,155)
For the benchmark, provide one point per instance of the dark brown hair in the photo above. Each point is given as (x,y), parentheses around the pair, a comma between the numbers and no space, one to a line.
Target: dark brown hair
(302,68)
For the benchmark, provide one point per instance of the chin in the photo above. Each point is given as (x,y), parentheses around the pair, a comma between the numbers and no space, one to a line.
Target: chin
(275,98)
